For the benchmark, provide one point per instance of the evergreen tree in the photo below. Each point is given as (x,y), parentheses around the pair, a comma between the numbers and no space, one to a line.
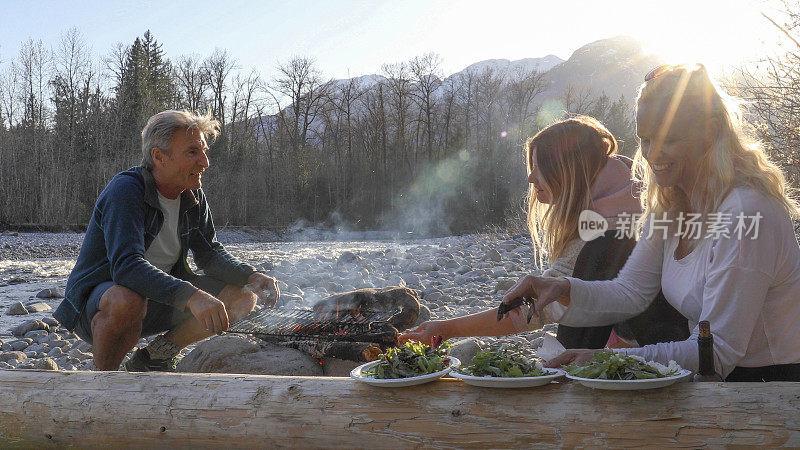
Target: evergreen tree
(600,108)
(621,122)
(145,88)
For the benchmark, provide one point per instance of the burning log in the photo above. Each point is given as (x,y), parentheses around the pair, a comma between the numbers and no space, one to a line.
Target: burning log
(353,351)
(361,347)
(403,300)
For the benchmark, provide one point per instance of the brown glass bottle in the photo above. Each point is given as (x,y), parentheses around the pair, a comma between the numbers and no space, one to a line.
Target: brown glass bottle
(705,349)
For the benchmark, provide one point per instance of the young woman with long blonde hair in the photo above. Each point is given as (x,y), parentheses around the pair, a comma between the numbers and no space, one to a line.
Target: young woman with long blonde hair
(718,238)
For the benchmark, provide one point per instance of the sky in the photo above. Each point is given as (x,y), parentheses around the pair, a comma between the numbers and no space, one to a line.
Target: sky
(351,38)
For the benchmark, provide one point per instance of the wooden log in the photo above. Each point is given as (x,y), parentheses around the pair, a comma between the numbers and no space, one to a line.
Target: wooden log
(41,408)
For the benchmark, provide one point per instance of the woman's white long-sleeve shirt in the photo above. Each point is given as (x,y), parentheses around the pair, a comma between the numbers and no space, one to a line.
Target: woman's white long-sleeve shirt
(748,289)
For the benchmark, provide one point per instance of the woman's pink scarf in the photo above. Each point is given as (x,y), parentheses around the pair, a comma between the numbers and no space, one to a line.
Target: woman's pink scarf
(614,192)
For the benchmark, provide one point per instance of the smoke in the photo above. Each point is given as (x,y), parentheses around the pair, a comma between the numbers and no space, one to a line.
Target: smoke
(460,193)
(335,228)
(425,207)
(550,112)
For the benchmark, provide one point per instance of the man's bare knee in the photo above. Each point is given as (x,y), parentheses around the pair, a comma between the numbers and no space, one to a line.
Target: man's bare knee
(123,304)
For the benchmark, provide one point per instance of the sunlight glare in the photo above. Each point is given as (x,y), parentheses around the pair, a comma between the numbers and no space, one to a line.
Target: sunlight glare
(715,33)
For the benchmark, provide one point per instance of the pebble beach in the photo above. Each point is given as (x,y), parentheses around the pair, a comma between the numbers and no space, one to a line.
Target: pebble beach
(454,276)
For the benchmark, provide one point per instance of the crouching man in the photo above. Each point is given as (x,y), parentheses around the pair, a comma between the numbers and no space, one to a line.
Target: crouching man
(132,279)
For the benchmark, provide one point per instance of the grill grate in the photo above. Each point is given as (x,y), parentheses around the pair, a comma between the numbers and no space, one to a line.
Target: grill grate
(305,323)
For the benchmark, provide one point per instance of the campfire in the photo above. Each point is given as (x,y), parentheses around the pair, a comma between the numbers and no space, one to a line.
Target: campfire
(356,326)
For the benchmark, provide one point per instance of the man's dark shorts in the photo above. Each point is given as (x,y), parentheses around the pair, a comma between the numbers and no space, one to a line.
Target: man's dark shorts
(159,317)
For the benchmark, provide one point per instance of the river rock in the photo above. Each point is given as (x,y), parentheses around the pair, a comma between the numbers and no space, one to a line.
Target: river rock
(347,258)
(29,325)
(51,293)
(245,354)
(335,367)
(45,364)
(76,353)
(443,260)
(58,342)
(17,309)
(37,307)
(332,286)
(504,284)
(424,314)
(55,352)
(84,346)
(17,345)
(465,350)
(499,271)
(37,335)
(493,255)
(37,348)
(395,280)
(13,356)
(50,321)
(410,279)
(423,267)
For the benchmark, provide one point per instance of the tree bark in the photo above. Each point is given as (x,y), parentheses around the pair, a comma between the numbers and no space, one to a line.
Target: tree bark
(166,410)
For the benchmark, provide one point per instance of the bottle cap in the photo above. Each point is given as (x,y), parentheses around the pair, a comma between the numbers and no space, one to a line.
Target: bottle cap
(705,328)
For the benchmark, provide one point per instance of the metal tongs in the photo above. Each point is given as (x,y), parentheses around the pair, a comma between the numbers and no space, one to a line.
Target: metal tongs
(504,308)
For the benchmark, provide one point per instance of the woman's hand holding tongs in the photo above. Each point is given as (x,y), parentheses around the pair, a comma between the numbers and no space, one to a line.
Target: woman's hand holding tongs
(538,292)
(505,308)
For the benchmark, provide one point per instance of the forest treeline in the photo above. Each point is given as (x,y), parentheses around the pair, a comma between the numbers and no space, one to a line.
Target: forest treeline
(408,149)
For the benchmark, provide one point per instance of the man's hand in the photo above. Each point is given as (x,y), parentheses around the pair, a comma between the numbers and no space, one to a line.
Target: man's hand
(265,287)
(209,311)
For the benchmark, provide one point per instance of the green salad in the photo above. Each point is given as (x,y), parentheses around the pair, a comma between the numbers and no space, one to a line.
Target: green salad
(607,365)
(503,361)
(410,360)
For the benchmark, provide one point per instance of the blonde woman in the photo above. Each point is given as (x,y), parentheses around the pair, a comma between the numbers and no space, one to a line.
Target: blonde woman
(740,271)
(572,167)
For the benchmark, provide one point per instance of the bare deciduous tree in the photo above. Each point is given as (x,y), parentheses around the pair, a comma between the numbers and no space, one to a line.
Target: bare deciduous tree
(191,82)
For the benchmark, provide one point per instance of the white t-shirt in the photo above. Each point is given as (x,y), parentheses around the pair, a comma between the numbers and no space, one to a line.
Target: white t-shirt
(166,247)
(748,289)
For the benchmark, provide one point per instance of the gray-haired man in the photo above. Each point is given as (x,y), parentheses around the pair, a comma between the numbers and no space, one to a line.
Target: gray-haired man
(132,279)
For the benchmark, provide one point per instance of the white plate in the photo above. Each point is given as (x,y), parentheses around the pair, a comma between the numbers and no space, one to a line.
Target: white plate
(631,385)
(400,382)
(509,382)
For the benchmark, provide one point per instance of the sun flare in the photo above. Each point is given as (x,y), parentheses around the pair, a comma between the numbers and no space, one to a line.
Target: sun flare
(716,33)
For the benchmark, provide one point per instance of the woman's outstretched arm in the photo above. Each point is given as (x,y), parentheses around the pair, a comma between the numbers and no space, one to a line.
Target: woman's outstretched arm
(484,323)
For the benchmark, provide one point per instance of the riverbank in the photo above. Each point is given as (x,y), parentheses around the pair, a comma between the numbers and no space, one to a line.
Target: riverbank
(454,276)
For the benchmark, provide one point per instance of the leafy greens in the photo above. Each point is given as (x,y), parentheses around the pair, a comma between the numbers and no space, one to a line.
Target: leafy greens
(503,361)
(410,360)
(617,366)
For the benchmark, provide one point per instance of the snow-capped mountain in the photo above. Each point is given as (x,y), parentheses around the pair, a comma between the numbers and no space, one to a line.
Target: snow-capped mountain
(527,64)
(614,66)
